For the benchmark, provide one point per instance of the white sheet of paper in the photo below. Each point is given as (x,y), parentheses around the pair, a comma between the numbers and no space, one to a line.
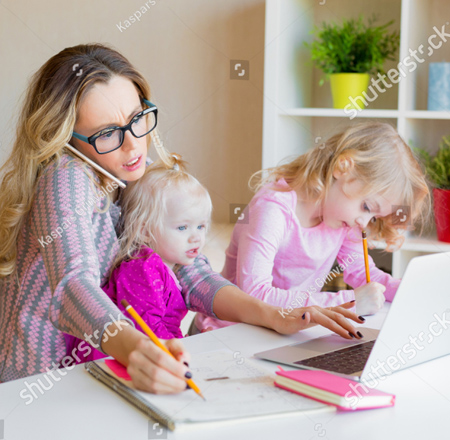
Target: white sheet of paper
(248,391)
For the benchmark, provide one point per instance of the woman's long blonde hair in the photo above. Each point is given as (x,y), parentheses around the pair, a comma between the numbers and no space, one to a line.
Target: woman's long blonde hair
(45,125)
(144,204)
(373,153)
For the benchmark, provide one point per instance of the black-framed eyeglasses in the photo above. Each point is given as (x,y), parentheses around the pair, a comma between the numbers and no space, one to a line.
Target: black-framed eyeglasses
(110,139)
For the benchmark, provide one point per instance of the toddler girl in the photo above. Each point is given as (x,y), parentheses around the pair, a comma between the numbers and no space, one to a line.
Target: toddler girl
(309,212)
(165,217)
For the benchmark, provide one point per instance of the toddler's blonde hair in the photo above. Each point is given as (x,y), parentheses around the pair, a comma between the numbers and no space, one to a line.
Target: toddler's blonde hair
(373,153)
(144,203)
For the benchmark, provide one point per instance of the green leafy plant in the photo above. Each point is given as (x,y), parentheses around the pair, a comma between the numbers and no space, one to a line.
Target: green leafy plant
(438,166)
(353,47)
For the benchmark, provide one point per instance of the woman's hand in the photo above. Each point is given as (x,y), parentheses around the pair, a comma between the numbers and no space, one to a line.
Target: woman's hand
(154,371)
(369,298)
(151,369)
(333,318)
(232,304)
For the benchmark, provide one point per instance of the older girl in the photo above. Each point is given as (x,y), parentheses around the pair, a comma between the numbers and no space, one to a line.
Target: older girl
(309,212)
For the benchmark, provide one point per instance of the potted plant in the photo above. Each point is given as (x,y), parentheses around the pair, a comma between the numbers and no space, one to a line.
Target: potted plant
(349,53)
(438,170)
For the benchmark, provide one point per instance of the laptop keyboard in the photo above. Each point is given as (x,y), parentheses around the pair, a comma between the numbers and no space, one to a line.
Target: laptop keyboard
(346,361)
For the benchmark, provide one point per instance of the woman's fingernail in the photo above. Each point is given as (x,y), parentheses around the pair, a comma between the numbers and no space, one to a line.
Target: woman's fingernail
(359,334)
(187,386)
(352,335)
(188,375)
(353,300)
(361,318)
(185,363)
(304,315)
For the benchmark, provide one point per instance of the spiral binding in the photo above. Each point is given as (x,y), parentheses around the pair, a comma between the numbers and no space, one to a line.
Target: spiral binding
(130,395)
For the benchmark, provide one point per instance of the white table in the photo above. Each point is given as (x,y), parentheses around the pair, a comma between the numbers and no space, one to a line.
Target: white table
(80,407)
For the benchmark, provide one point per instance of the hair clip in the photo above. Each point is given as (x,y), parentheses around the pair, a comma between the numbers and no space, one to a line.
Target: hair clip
(175,167)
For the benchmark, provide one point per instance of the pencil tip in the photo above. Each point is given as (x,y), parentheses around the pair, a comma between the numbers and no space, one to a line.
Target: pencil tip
(203,397)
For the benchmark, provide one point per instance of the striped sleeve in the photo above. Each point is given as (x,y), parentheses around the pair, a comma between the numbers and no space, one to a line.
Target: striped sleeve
(76,243)
(199,284)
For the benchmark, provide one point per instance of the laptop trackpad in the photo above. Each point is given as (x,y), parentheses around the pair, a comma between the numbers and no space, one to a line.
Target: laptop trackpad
(325,344)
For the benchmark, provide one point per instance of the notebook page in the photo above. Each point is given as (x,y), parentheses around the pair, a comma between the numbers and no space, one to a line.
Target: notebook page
(233,388)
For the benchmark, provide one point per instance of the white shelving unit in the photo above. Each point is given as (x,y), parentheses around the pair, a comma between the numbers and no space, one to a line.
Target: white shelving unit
(414,247)
(298,113)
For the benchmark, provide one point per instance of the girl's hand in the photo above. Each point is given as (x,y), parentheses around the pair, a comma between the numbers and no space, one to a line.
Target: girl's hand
(333,318)
(154,371)
(207,329)
(369,298)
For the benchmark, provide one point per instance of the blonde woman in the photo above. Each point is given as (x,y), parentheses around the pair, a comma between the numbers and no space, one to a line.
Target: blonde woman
(311,211)
(57,227)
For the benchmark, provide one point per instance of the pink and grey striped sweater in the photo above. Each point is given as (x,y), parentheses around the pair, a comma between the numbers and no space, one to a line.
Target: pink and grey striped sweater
(64,251)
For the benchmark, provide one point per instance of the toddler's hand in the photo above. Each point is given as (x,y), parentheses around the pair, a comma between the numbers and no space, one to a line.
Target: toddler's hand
(369,298)
(207,329)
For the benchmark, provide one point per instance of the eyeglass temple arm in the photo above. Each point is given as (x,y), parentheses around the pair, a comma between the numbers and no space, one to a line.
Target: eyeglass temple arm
(151,105)
(80,136)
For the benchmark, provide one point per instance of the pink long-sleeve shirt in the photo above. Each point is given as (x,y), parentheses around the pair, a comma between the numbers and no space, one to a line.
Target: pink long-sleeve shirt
(273,258)
(154,291)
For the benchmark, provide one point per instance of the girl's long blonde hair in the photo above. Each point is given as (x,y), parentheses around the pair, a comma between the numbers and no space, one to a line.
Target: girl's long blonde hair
(45,125)
(144,204)
(373,153)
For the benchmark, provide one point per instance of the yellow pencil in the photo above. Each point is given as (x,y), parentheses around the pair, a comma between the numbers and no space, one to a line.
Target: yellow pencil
(366,256)
(155,339)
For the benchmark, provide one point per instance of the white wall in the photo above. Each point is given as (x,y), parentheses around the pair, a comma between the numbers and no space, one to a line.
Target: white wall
(184,49)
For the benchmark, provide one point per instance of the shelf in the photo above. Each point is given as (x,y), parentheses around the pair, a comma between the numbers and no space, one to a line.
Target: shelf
(425,114)
(340,113)
(420,244)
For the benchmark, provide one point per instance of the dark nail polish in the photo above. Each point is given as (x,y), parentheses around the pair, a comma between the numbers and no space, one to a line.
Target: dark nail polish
(359,334)
(188,375)
(188,387)
(361,318)
(304,315)
(185,363)
(352,335)
(353,300)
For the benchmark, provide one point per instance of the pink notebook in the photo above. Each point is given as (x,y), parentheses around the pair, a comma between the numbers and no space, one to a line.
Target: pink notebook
(329,388)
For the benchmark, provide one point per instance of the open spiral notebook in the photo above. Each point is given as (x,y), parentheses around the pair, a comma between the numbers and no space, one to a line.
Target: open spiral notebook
(236,389)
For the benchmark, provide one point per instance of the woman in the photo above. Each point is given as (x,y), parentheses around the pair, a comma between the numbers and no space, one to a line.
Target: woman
(57,228)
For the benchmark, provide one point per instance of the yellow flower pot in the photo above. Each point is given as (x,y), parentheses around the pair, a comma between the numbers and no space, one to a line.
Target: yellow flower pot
(345,85)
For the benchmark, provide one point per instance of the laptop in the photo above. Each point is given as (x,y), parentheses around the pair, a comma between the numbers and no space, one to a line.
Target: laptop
(415,330)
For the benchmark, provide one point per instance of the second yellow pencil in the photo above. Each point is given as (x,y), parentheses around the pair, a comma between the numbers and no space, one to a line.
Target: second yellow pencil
(366,256)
